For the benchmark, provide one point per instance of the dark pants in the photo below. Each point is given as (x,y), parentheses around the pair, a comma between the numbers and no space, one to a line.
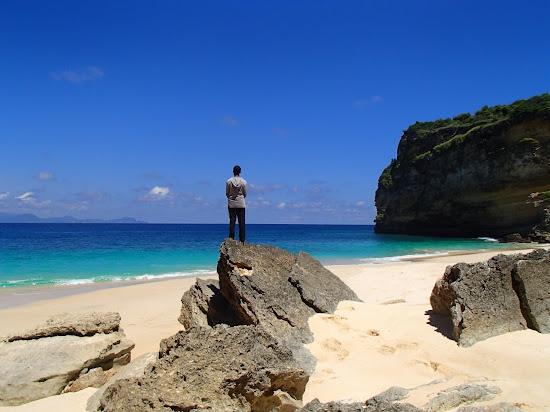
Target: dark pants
(234,213)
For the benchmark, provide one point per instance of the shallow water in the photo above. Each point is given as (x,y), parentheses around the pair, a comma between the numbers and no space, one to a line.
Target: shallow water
(50,254)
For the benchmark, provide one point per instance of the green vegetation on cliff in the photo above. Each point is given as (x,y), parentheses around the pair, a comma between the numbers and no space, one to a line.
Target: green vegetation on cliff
(516,112)
(434,137)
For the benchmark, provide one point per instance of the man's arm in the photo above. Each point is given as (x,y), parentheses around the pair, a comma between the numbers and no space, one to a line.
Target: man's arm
(227,188)
(245,189)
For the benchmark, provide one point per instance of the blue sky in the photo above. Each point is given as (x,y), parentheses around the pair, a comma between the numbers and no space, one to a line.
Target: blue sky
(141,109)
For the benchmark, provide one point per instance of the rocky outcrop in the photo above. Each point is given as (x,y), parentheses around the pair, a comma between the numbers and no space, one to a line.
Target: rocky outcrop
(461,396)
(243,345)
(504,294)
(135,369)
(69,352)
(267,286)
(77,324)
(224,368)
(481,175)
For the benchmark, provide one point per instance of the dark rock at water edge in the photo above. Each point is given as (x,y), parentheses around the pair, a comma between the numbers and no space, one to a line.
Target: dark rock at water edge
(504,294)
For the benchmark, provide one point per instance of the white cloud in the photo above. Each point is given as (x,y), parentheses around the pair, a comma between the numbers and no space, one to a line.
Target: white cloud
(25,197)
(29,199)
(157,193)
(281,205)
(79,76)
(45,175)
(4,195)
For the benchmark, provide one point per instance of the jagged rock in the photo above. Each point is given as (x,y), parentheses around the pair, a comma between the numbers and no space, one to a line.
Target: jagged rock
(532,278)
(36,368)
(93,378)
(241,368)
(458,395)
(277,289)
(77,324)
(499,407)
(267,286)
(316,406)
(383,402)
(243,346)
(204,305)
(515,238)
(387,401)
(484,300)
(135,369)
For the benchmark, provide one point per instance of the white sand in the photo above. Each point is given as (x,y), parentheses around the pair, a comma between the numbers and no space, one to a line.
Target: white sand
(362,349)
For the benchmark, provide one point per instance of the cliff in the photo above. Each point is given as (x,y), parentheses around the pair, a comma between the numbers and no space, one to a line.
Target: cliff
(486,174)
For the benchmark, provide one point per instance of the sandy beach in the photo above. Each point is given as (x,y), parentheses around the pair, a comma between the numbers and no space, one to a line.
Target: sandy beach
(362,349)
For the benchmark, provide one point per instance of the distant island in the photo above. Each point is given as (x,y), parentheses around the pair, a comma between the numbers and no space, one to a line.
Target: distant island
(486,174)
(30,218)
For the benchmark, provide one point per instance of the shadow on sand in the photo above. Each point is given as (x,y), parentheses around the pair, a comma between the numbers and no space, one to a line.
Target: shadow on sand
(441,323)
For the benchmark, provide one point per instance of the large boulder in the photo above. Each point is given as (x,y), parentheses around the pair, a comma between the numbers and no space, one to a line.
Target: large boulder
(243,348)
(504,294)
(267,286)
(241,368)
(40,363)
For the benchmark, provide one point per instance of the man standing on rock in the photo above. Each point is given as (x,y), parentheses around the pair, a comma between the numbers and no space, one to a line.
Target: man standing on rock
(235,190)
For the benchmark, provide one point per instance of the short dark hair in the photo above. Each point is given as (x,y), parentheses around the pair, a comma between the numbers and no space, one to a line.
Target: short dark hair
(237,170)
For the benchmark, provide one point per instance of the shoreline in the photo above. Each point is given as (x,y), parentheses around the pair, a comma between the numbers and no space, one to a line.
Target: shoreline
(361,349)
(24,295)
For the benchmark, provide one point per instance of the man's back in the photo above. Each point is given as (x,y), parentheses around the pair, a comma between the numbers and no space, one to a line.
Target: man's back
(236,191)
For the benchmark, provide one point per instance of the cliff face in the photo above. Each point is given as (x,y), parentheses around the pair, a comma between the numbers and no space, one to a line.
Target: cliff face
(481,175)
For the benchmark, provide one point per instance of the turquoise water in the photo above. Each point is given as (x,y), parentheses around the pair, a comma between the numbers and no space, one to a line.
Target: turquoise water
(50,254)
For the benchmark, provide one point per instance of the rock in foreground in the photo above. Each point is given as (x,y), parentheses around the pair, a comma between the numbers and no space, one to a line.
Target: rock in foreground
(504,294)
(240,368)
(69,352)
(243,346)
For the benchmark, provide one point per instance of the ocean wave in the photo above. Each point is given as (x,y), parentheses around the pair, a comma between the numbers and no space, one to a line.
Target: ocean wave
(401,258)
(488,239)
(100,279)
(194,273)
